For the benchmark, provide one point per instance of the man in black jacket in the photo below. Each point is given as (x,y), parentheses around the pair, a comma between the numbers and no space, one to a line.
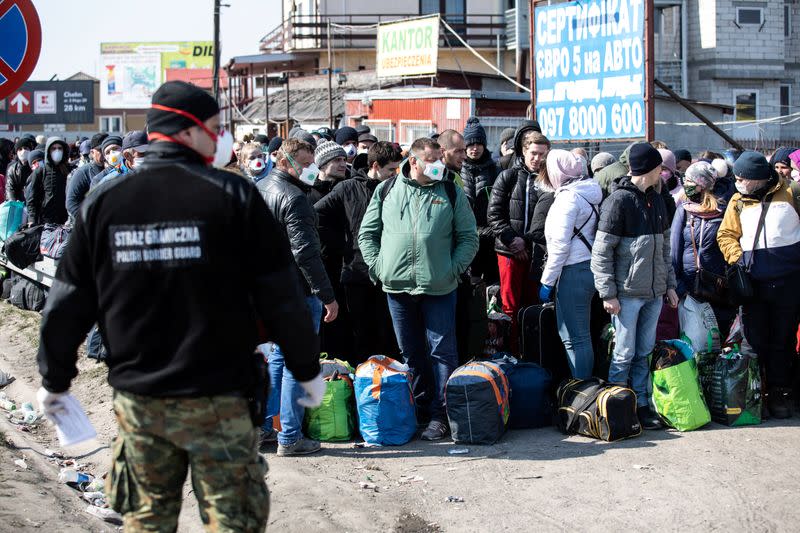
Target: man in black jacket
(478,173)
(510,214)
(340,214)
(284,191)
(177,289)
(81,180)
(46,202)
(19,170)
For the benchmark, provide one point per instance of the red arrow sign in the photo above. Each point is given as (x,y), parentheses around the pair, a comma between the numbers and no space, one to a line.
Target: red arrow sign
(20,103)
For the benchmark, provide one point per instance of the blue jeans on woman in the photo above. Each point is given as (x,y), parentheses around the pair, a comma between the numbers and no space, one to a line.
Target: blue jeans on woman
(285,390)
(426,332)
(634,339)
(573,313)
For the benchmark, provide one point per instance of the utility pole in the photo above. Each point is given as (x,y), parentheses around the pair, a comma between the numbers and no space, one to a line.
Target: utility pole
(266,105)
(216,49)
(330,78)
(286,126)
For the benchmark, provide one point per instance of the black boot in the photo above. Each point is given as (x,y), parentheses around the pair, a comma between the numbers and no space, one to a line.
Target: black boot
(647,419)
(779,402)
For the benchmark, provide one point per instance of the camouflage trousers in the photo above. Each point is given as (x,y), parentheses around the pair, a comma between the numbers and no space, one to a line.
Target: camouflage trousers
(160,438)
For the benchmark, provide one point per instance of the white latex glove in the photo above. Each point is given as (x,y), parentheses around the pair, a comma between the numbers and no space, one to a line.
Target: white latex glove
(50,403)
(315,389)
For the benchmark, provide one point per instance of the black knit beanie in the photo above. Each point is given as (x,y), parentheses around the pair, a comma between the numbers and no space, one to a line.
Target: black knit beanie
(474,132)
(185,97)
(643,158)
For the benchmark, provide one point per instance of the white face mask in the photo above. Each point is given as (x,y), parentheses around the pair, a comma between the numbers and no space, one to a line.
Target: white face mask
(350,150)
(435,170)
(114,158)
(750,186)
(137,161)
(22,155)
(796,175)
(309,174)
(256,165)
(56,156)
(222,155)
(273,159)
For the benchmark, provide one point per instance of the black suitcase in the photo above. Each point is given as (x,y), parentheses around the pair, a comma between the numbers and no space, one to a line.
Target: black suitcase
(540,342)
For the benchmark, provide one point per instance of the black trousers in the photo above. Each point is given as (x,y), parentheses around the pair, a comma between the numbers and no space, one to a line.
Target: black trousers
(371,323)
(770,326)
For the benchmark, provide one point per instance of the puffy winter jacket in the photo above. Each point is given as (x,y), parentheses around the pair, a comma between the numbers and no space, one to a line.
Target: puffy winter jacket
(777,253)
(47,202)
(576,206)
(340,214)
(415,241)
(286,199)
(479,177)
(682,251)
(16,178)
(79,184)
(630,255)
(513,200)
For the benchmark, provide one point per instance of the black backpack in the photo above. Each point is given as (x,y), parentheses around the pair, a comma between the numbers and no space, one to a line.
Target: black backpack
(27,295)
(23,248)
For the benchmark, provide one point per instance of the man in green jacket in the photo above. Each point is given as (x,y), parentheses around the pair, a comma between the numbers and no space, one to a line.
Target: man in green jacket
(417,237)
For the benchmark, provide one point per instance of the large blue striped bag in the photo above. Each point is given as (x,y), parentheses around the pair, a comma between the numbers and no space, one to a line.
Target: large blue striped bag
(386,411)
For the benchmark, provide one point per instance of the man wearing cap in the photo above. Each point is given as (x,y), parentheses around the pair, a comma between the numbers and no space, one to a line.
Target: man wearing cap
(84,149)
(347,138)
(81,180)
(600,161)
(683,158)
(772,257)
(633,270)
(177,288)
(134,148)
(111,148)
(18,170)
(35,159)
(331,159)
(365,141)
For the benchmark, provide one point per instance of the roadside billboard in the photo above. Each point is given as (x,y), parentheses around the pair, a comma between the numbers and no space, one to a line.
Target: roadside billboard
(408,47)
(131,72)
(50,102)
(589,69)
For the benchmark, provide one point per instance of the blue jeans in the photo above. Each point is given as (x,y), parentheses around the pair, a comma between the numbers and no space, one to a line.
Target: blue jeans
(573,313)
(634,339)
(426,333)
(285,390)
(95,349)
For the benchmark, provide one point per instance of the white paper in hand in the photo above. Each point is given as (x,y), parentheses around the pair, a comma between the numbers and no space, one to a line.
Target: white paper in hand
(72,424)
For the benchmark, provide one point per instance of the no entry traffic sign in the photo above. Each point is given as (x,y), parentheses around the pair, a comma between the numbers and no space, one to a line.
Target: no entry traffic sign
(20,44)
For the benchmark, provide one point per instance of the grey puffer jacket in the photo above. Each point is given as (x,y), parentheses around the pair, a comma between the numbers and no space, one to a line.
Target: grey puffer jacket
(286,199)
(631,254)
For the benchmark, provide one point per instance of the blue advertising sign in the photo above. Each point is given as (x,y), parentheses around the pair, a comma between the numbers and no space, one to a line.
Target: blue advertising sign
(590,70)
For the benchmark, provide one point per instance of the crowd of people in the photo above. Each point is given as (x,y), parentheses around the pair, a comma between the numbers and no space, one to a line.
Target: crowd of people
(390,242)
(336,241)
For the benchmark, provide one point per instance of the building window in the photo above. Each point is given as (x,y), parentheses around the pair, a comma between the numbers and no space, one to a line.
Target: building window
(382,129)
(787,20)
(411,130)
(110,124)
(786,108)
(452,11)
(746,105)
(749,15)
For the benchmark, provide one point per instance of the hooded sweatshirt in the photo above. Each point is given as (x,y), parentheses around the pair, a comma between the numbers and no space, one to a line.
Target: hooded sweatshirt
(47,203)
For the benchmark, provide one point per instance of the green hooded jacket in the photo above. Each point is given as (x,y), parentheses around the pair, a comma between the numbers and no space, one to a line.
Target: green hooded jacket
(414,241)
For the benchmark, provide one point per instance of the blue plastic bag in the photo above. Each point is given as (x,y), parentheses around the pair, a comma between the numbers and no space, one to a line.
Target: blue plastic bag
(386,411)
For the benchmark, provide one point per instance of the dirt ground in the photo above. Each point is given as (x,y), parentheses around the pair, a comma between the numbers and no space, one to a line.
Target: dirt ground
(715,479)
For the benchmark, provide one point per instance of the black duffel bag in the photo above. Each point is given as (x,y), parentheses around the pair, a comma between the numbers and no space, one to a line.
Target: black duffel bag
(597,409)
(22,248)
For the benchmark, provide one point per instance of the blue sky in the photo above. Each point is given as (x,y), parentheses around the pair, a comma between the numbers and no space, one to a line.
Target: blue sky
(72,30)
